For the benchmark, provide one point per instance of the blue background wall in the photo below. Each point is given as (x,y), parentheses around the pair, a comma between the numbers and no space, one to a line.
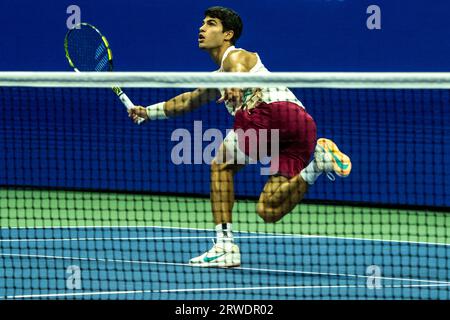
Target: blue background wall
(397,139)
(73,138)
(300,35)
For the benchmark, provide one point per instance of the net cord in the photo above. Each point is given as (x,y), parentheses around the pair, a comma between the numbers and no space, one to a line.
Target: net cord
(338,80)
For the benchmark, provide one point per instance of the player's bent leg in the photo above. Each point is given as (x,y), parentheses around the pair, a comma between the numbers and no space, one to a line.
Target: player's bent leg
(279,197)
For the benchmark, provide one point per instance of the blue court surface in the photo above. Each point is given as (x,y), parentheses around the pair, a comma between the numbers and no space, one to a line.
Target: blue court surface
(151,263)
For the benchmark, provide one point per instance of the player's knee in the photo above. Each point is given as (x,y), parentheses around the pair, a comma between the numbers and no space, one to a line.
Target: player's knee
(268,214)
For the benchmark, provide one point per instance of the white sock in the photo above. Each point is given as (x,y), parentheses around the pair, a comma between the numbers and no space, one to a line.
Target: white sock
(224,233)
(311,172)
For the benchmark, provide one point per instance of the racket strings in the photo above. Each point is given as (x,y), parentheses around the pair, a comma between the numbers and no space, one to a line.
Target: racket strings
(87,50)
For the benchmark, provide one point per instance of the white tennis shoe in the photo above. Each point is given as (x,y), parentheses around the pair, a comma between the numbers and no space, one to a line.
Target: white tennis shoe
(330,159)
(219,256)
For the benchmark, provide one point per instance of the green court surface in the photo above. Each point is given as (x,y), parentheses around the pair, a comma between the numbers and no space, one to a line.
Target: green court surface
(42,208)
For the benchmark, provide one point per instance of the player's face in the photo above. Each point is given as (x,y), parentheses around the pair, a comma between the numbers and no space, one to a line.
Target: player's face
(211,34)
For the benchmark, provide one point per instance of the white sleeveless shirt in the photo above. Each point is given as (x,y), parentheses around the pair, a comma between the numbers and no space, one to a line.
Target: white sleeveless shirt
(269,95)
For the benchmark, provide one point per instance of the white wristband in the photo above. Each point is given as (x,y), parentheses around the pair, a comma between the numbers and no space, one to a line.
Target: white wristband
(156,111)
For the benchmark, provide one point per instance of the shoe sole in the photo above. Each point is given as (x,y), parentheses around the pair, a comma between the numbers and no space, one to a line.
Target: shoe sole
(220,264)
(208,265)
(342,165)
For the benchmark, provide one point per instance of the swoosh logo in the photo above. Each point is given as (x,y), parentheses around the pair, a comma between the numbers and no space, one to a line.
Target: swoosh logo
(209,259)
(339,162)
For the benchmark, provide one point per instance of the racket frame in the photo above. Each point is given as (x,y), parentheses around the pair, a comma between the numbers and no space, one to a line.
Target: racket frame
(116,89)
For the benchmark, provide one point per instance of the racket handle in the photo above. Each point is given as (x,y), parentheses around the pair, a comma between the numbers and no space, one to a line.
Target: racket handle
(128,104)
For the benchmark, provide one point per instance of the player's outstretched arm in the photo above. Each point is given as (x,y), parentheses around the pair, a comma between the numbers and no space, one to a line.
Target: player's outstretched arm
(178,105)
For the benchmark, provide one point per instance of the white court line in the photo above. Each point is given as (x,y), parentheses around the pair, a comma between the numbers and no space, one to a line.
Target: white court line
(77,294)
(251,232)
(239,268)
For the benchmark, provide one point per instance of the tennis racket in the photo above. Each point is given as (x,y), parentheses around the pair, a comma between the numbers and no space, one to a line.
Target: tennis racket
(88,50)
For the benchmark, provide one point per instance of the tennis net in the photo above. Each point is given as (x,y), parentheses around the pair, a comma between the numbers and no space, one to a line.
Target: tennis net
(93,206)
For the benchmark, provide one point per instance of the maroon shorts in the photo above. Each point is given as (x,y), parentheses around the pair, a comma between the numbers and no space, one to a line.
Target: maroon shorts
(297,134)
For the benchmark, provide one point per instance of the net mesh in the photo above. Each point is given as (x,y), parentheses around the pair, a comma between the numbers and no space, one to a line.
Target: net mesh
(93,206)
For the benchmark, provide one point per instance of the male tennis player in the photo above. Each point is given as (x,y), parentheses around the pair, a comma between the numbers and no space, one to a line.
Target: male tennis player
(253,109)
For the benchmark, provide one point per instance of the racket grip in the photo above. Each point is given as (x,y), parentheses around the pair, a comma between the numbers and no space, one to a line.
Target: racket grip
(128,104)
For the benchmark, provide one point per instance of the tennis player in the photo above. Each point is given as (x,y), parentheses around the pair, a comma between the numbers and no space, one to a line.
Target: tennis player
(275,108)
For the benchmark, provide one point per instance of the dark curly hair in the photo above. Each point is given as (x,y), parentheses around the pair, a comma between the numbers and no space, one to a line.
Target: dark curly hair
(229,18)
